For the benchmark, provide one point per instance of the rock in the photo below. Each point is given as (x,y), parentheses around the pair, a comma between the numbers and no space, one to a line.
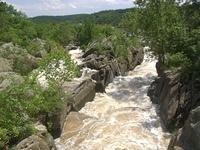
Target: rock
(24,64)
(5,65)
(155,90)
(123,67)
(39,48)
(84,93)
(135,57)
(78,93)
(89,52)
(9,78)
(96,62)
(177,95)
(71,47)
(115,68)
(42,140)
(73,122)
(108,67)
(19,59)
(188,137)
(179,99)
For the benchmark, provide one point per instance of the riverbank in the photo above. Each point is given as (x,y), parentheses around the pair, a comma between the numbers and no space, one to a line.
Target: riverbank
(82,90)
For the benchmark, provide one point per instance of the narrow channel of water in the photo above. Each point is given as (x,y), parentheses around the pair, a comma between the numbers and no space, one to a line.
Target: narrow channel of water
(123,118)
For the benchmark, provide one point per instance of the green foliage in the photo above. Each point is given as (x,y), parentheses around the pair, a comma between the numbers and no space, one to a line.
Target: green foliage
(102,31)
(116,45)
(84,32)
(171,30)
(58,64)
(130,22)
(64,34)
(178,60)
(20,104)
(16,28)
(109,17)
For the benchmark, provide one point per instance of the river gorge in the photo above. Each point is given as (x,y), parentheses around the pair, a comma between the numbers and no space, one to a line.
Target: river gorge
(122,118)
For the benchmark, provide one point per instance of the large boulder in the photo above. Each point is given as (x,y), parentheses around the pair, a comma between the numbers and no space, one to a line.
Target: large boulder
(39,48)
(18,58)
(135,57)
(82,94)
(9,79)
(78,93)
(42,140)
(188,138)
(73,122)
(5,65)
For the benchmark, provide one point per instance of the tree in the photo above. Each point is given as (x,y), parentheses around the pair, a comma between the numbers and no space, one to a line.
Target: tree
(84,31)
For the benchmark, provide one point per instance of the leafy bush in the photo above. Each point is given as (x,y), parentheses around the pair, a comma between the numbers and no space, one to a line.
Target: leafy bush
(178,60)
(58,65)
(116,44)
(20,104)
(85,32)
(172,30)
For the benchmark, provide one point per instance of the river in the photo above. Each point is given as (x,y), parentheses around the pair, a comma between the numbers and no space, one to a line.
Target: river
(123,118)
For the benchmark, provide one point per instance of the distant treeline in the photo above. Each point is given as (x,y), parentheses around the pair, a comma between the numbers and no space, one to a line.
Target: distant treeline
(112,17)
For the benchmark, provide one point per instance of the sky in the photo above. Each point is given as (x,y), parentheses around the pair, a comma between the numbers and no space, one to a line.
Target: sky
(67,7)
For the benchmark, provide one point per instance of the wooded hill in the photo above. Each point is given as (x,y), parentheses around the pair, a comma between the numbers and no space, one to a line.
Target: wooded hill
(112,17)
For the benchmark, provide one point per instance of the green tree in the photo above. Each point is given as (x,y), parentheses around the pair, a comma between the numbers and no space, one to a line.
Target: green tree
(84,32)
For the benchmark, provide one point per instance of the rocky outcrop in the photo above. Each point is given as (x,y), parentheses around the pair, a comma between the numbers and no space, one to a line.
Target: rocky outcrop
(78,93)
(9,78)
(177,96)
(42,140)
(188,137)
(16,59)
(108,67)
(5,65)
(39,48)
(73,121)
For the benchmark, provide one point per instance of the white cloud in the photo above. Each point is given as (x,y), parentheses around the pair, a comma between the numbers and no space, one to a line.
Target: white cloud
(111,1)
(72,5)
(52,5)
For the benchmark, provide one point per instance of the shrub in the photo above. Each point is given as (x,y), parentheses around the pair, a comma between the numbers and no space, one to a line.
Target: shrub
(178,60)
(58,64)
(116,45)
(21,104)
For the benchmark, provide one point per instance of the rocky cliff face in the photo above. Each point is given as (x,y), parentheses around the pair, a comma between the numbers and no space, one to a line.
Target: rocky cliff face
(108,67)
(177,97)
(188,137)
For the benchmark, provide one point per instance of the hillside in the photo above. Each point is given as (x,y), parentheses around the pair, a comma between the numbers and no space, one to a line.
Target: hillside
(112,17)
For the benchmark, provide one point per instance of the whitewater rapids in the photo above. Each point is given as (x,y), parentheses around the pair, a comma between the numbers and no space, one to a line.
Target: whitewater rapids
(123,118)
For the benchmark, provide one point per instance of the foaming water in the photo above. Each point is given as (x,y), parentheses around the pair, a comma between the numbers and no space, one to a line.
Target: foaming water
(123,118)
(76,56)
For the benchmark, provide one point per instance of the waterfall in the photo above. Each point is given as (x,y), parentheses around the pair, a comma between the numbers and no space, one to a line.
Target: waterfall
(123,118)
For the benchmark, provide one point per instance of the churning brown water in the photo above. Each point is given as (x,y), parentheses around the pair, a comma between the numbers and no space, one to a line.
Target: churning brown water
(123,118)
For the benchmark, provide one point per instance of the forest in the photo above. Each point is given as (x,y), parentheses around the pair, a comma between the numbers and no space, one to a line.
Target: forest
(171,29)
